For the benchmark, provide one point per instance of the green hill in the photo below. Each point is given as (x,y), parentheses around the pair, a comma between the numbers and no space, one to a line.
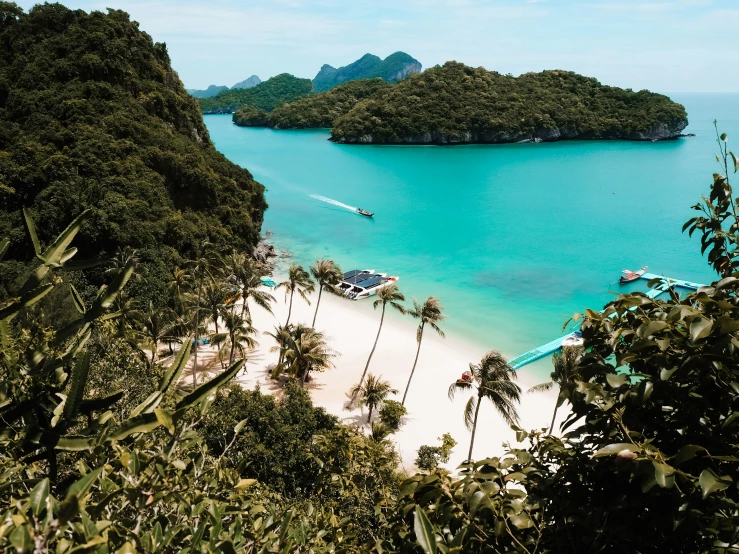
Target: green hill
(455,103)
(393,68)
(315,111)
(92,115)
(211,91)
(266,96)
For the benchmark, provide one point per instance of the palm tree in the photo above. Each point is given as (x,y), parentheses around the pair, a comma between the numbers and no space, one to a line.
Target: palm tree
(493,379)
(298,281)
(246,275)
(121,259)
(202,269)
(238,336)
(387,295)
(430,314)
(124,326)
(156,326)
(281,335)
(306,351)
(566,371)
(179,285)
(327,274)
(373,393)
(215,298)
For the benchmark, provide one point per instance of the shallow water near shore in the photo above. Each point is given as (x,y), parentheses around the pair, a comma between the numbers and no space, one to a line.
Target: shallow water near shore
(513,239)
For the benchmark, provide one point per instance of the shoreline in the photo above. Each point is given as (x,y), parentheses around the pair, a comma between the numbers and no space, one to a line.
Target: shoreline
(350,329)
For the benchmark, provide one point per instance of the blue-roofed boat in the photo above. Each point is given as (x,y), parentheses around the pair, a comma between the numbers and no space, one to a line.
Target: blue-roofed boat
(361,284)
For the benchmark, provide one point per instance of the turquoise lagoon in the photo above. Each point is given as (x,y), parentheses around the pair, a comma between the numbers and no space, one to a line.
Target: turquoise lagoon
(513,239)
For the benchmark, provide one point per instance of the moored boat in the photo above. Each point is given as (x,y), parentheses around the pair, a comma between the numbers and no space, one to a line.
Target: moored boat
(627,275)
(361,284)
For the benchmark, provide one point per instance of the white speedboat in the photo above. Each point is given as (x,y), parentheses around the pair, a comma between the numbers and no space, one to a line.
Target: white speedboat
(361,284)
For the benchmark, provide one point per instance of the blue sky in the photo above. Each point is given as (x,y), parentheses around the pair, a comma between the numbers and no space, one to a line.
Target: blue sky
(662,45)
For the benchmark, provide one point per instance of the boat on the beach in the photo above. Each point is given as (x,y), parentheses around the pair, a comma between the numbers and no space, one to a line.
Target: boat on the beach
(628,275)
(363,283)
(365,213)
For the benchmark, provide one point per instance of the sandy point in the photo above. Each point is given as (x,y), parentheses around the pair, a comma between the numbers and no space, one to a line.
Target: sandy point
(351,328)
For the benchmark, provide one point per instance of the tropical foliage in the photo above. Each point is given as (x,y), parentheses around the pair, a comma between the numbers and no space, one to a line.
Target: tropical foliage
(565,373)
(266,96)
(455,103)
(492,380)
(372,393)
(429,313)
(327,274)
(314,111)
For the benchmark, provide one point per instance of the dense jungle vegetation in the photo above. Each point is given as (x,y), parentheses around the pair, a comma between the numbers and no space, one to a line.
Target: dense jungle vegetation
(109,442)
(454,103)
(266,96)
(315,111)
(92,114)
(396,66)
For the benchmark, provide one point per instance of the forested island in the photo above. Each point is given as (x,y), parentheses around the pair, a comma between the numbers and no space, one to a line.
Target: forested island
(454,104)
(265,96)
(126,239)
(314,111)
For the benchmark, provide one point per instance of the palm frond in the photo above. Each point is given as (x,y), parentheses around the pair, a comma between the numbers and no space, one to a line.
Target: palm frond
(457,385)
(469,412)
(542,387)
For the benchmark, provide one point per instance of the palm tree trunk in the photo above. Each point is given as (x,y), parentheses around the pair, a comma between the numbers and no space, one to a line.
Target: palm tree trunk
(303,377)
(320,290)
(369,417)
(215,320)
(290,309)
(420,338)
(554,416)
(366,367)
(197,335)
(244,305)
(474,427)
(154,354)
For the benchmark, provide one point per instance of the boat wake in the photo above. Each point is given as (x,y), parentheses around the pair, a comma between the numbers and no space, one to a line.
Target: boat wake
(334,202)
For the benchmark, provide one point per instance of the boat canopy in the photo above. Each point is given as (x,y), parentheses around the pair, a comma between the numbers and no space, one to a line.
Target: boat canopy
(356,279)
(370,283)
(352,273)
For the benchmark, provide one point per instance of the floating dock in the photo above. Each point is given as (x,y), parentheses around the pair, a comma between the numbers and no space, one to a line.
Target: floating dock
(556,345)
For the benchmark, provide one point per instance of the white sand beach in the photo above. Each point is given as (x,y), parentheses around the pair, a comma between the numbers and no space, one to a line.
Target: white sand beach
(351,327)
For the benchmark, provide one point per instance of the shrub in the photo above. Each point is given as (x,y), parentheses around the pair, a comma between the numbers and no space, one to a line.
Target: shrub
(429,457)
(391,413)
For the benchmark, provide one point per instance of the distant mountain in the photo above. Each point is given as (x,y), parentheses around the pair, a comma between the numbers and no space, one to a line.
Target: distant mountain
(211,91)
(266,96)
(393,68)
(248,83)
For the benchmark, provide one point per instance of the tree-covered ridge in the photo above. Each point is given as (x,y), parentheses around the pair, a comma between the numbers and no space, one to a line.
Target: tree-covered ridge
(393,68)
(266,96)
(209,92)
(455,103)
(315,111)
(93,115)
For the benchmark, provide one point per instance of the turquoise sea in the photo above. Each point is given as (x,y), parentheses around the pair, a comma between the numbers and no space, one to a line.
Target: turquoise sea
(513,239)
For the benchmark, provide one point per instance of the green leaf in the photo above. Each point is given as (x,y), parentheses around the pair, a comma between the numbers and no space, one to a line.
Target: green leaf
(32,231)
(165,418)
(613,449)
(98,404)
(245,483)
(724,137)
(172,375)
(52,256)
(39,496)
(616,381)
(200,393)
(424,531)
(78,303)
(687,452)
(140,424)
(28,299)
(20,539)
(711,483)
(700,328)
(77,386)
(733,157)
(477,497)
(4,245)
(239,426)
(148,405)
(108,294)
(80,487)
(664,474)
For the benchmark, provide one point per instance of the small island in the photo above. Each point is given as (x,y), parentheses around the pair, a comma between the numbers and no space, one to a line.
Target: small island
(267,95)
(457,104)
(312,112)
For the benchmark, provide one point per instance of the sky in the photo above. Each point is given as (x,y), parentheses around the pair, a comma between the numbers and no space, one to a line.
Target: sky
(660,45)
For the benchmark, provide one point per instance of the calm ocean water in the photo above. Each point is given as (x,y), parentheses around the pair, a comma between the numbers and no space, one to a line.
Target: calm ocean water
(513,239)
